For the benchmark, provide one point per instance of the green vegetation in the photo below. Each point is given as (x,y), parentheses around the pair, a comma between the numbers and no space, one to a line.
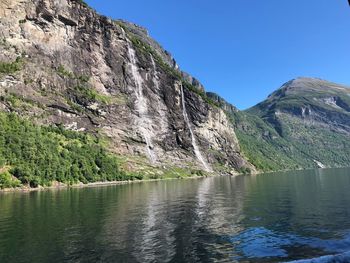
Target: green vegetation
(145,171)
(297,147)
(3,42)
(291,139)
(19,102)
(11,67)
(75,106)
(200,93)
(8,181)
(63,72)
(244,170)
(40,155)
(145,50)
(180,173)
(28,81)
(82,2)
(82,93)
(22,21)
(261,143)
(87,93)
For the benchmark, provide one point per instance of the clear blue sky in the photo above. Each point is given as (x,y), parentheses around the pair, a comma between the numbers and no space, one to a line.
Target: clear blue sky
(245,49)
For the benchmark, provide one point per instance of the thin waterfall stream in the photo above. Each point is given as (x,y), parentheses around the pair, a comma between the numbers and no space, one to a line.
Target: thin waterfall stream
(144,122)
(162,119)
(194,142)
(155,74)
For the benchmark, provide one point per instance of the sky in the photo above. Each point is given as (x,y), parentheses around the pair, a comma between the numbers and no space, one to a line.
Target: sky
(245,49)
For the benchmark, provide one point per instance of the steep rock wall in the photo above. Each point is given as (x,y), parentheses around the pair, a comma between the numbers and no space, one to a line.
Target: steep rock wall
(90,73)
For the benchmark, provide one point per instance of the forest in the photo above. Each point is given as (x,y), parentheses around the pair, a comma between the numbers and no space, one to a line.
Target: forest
(34,155)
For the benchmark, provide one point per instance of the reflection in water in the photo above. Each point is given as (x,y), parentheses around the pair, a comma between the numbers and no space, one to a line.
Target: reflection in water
(155,232)
(267,218)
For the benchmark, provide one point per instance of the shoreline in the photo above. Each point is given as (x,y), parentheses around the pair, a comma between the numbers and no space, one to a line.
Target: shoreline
(62,186)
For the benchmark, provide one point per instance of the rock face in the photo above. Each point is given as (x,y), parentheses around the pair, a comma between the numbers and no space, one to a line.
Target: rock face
(75,68)
(228,107)
(305,123)
(63,64)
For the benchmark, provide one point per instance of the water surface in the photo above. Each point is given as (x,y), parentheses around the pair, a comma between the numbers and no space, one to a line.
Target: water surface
(277,217)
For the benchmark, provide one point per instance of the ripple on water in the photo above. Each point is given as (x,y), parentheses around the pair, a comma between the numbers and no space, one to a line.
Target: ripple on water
(259,242)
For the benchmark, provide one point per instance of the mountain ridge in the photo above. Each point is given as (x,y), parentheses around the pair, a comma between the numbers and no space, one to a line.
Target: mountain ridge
(310,121)
(63,65)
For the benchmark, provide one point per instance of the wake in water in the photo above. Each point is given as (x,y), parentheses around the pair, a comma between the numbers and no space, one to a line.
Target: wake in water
(260,242)
(340,258)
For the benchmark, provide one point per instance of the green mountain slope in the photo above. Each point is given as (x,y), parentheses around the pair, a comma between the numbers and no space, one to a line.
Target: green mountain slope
(33,155)
(304,124)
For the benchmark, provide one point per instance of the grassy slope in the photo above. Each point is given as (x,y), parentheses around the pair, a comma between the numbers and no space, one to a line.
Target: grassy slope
(262,145)
(287,141)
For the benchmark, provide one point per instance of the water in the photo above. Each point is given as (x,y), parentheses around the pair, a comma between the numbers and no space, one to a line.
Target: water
(162,120)
(144,122)
(155,73)
(193,138)
(280,217)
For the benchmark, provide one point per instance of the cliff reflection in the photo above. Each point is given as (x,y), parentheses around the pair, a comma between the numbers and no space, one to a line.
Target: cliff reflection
(180,220)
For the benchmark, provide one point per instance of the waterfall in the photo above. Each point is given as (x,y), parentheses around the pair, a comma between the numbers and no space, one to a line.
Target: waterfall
(162,121)
(194,142)
(155,74)
(144,122)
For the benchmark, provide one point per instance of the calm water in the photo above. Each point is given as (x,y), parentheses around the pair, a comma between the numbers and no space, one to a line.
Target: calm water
(267,218)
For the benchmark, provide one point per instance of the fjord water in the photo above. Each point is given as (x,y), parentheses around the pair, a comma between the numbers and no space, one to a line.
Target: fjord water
(277,217)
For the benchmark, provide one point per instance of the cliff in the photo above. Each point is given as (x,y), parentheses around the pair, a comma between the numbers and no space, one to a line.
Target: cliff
(111,104)
(68,66)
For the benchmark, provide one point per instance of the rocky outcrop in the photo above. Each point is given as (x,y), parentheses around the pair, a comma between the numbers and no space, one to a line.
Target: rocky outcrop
(228,107)
(75,68)
(143,35)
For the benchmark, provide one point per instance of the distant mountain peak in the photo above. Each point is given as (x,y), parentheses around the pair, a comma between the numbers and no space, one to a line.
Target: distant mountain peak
(304,85)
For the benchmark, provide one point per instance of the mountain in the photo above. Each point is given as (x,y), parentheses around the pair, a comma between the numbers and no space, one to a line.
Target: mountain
(303,124)
(84,98)
(63,65)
